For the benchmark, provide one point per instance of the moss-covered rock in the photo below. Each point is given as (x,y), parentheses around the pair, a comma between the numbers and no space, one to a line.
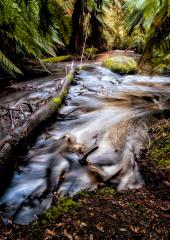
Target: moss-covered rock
(121,64)
(160,149)
(56,59)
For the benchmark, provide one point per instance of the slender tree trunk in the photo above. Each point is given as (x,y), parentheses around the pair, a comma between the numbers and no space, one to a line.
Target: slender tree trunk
(77,38)
(96,39)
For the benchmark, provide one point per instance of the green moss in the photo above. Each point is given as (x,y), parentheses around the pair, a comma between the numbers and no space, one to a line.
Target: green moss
(160,149)
(64,205)
(70,77)
(159,69)
(65,93)
(107,191)
(56,59)
(90,53)
(57,100)
(83,194)
(121,64)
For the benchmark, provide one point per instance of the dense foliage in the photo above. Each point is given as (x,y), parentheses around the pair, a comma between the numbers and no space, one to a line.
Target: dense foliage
(31,29)
(88,23)
(154,18)
(37,28)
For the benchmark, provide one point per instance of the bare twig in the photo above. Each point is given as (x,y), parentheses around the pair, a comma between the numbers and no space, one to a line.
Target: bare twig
(10,109)
(84,161)
(29,106)
(23,111)
(84,45)
(12,119)
(64,116)
(4,141)
(66,69)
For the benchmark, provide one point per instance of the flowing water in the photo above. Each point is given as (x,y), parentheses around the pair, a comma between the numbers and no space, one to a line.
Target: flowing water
(97,137)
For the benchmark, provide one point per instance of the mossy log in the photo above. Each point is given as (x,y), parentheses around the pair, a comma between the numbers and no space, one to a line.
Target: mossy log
(22,136)
(57,59)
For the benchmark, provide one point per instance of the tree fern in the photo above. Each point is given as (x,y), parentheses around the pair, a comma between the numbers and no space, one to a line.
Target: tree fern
(8,65)
(31,28)
(154,17)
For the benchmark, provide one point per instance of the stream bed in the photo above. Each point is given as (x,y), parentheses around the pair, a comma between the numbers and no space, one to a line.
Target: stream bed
(96,138)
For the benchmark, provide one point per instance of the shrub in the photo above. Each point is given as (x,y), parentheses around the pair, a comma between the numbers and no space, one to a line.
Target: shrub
(90,53)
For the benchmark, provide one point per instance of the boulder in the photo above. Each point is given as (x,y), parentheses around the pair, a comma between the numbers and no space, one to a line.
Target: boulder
(121,64)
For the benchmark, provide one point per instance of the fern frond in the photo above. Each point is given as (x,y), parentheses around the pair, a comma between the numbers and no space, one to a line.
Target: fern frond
(32,28)
(9,66)
(154,16)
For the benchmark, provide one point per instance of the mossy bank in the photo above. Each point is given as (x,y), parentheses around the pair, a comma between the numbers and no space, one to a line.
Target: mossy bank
(121,64)
(101,214)
(160,143)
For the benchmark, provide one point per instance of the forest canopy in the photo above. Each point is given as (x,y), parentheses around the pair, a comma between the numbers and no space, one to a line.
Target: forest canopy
(34,29)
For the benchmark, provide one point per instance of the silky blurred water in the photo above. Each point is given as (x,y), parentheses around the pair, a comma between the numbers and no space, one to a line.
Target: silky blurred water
(104,110)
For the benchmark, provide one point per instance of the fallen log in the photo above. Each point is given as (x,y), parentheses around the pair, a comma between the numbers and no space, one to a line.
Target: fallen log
(20,138)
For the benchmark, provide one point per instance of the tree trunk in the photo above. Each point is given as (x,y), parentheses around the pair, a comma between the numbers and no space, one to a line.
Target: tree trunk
(77,38)
(96,39)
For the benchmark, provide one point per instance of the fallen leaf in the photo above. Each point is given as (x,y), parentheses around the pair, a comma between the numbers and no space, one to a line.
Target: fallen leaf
(50,232)
(76,237)
(123,229)
(135,229)
(91,237)
(69,236)
(60,224)
(99,227)
(83,224)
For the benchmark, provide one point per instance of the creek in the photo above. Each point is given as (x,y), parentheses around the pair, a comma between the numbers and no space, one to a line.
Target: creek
(104,112)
